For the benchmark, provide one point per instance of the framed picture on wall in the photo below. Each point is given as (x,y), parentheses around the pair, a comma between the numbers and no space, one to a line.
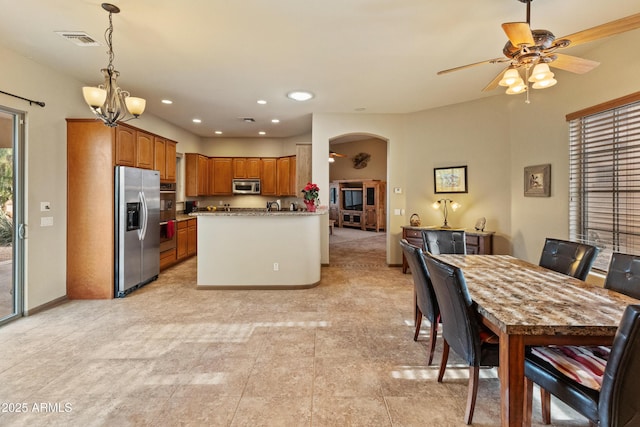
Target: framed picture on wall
(450,180)
(537,181)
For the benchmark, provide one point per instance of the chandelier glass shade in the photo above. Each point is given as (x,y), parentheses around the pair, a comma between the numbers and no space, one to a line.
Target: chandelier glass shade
(541,78)
(107,101)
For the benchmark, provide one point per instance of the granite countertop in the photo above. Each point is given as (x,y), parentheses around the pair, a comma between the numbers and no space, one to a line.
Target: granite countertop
(253,212)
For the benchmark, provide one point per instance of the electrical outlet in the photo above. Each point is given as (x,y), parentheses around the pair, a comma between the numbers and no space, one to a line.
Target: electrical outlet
(276,266)
(397,190)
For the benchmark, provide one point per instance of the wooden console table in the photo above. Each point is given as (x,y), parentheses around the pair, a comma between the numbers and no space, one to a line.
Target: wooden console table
(477,242)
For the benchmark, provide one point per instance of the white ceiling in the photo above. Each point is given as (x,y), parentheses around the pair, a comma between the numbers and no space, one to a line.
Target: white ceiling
(216,58)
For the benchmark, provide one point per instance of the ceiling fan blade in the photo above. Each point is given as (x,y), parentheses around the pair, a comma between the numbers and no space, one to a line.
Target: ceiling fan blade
(462,67)
(334,154)
(519,33)
(573,63)
(494,83)
(605,30)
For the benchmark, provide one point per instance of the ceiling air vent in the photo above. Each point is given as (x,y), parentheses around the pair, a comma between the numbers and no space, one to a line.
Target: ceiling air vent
(78,38)
(248,119)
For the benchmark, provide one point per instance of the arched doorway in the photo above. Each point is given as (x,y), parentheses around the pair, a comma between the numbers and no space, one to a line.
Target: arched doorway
(358,171)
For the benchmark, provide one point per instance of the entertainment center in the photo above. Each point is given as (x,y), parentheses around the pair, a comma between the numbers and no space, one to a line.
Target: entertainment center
(358,203)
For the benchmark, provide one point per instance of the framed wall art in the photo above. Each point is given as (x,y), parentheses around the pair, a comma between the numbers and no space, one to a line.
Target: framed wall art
(537,181)
(450,180)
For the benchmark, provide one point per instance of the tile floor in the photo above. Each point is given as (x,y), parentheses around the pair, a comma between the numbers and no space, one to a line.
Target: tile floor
(340,354)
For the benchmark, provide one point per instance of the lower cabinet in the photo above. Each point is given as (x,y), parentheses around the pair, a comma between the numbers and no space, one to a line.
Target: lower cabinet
(186,239)
(167,258)
(477,242)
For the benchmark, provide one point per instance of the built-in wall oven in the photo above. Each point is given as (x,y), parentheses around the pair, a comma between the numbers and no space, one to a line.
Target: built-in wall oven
(167,216)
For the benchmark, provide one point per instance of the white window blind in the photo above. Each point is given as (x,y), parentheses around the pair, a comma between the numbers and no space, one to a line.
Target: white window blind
(604,188)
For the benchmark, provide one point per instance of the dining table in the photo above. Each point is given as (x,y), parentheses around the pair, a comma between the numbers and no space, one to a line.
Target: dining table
(528,305)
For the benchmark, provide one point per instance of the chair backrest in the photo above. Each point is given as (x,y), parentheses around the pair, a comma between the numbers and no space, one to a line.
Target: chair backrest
(570,258)
(459,323)
(619,404)
(624,274)
(425,295)
(445,241)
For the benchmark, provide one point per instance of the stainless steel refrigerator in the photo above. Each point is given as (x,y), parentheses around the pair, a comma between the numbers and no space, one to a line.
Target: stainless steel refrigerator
(137,240)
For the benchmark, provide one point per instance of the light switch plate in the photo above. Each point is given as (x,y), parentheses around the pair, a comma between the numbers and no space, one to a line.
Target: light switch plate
(46,221)
(396,212)
(45,206)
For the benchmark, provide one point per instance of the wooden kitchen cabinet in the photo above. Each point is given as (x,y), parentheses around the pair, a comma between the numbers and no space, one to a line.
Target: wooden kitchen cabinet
(181,240)
(293,183)
(164,158)
(125,146)
(196,180)
(283,177)
(134,148)
(192,237)
(144,150)
(246,168)
(220,176)
(269,177)
(477,242)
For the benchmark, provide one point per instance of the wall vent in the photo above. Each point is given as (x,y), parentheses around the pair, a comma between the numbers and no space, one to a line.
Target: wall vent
(78,38)
(248,119)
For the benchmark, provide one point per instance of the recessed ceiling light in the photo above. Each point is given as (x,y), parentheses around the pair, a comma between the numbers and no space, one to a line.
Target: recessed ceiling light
(275,120)
(167,101)
(262,132)
(218,132)
(197,121)
(300,95)
(261,101)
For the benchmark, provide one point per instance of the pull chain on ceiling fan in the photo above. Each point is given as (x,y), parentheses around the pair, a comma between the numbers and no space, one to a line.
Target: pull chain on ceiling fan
(534,51)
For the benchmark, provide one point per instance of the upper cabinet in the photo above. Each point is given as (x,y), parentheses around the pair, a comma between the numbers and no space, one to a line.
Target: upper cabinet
(165,159)
(196,180)
(283,184)
(269,174)
(144,149)
(135,148)
(220,176)
(246,167)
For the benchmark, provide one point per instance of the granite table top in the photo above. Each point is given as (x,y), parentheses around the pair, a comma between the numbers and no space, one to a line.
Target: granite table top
(526,299)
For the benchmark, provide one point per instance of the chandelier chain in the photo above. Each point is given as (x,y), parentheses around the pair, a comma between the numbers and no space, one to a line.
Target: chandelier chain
(108,36)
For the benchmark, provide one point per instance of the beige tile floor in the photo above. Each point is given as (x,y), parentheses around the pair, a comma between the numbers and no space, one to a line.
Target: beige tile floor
(340,354)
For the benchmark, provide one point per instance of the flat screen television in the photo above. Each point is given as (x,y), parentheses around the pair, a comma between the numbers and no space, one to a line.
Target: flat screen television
(352,199)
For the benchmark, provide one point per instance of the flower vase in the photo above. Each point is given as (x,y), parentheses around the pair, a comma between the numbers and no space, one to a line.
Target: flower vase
(311,205)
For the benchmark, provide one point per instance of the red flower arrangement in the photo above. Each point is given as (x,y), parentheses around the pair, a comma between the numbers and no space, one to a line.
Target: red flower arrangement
(310,191)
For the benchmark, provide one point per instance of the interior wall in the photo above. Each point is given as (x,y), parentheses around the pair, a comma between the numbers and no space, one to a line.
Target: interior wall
(376,168)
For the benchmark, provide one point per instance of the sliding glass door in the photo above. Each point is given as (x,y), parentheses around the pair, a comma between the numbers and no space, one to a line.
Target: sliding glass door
(11,223)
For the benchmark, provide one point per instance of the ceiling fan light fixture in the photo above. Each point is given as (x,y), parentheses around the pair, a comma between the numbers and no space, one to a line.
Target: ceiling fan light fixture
(516,88)
(543,84)
(541,72)
(509,77)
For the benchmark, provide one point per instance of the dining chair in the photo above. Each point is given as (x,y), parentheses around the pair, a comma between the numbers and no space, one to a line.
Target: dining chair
(624,274)
(445,241)
(570,258)
(424,296)
(616,403)
(461,329)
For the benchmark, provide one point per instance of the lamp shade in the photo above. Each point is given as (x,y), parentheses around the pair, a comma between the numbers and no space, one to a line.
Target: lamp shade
(509,77)
(94,96)
(543,84)
(541,72)
(135,105)
(517,87)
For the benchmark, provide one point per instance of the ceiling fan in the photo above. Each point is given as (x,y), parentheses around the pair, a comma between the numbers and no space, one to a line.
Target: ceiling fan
(535,50)
(333,155)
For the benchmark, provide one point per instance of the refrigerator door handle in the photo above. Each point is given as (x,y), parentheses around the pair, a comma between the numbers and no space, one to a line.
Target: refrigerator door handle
(145,216)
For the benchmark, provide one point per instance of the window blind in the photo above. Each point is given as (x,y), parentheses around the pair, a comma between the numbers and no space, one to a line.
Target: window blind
(604,188)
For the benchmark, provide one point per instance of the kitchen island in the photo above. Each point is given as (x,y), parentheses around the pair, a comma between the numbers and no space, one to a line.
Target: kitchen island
(256,249)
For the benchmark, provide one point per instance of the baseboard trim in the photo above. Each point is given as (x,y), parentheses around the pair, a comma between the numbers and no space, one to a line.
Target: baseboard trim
(46,306)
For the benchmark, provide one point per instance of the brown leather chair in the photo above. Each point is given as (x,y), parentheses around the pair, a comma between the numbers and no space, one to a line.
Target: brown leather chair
(624,274)
(445,241)
(425,298)
(616,403)
(570,258)
(461,329)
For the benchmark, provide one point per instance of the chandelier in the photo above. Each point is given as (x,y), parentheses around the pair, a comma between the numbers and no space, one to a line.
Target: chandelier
(107,101)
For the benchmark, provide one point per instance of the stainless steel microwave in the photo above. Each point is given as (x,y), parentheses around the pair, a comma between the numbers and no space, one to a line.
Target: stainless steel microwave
(246,186)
